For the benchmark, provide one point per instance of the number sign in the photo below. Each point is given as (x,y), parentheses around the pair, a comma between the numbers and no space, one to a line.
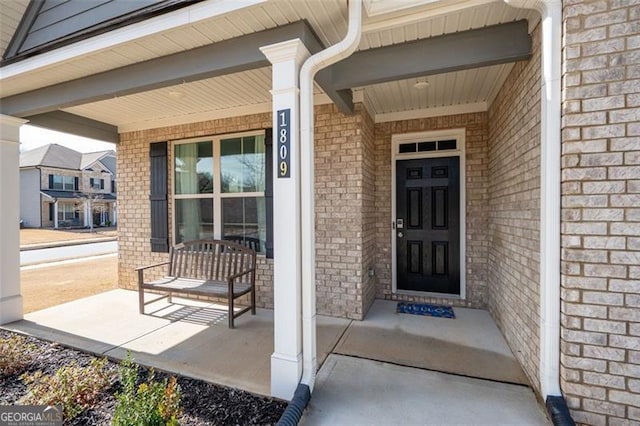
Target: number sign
(284,143)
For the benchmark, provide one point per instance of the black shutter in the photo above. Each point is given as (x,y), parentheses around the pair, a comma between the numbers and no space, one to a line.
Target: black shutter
(91,182)
(268,190)
(158,198)
(51,211)
(75,183)
(101,183)
(50,181)
(113,186)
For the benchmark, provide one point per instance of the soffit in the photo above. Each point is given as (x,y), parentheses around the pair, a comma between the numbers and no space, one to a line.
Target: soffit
(327,18)
(11,12)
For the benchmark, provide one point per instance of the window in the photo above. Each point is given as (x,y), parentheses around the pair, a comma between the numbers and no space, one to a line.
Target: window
(62,183)
(66,212)
(96,183)
(219,189)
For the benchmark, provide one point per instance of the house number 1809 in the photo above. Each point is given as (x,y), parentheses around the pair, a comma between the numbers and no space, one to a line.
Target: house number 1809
(284,143)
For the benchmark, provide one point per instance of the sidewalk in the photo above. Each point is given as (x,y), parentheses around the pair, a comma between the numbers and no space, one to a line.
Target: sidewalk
(38,246)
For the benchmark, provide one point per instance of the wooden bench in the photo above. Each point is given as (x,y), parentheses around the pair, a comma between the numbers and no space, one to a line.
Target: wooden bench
(214,268)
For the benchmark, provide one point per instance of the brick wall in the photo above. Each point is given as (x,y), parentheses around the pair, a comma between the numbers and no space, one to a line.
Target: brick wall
(342,228)
(476,187)
(134,228)
(343,194)
(600,363)
(514,211)
(369,211)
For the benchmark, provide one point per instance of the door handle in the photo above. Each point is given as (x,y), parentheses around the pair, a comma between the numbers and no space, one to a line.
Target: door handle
(400,234)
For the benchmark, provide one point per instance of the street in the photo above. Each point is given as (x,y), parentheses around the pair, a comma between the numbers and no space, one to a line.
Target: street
(67,252)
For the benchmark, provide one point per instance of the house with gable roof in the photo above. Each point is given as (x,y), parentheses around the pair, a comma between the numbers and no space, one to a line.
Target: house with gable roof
(63,188)
(475,153)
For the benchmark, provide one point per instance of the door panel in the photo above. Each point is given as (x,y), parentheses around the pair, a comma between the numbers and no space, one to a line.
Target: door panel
(428,225)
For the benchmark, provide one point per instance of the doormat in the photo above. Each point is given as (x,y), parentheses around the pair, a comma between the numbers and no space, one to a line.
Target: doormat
(426,309)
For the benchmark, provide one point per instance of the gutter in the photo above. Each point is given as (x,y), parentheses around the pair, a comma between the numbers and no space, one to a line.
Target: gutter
(550,197)
(312,65)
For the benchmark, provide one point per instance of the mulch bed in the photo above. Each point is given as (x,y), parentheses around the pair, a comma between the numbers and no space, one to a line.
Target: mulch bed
(202,403)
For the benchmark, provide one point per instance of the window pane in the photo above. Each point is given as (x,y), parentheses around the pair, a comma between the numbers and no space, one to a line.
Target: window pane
(194,168)
(244,221)
(57,182)
(194,219)
(242,164)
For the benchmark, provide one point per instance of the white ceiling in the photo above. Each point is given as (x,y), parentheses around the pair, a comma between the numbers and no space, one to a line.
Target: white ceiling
(249,91)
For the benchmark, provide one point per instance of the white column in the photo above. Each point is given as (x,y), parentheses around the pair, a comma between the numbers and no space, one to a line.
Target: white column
(10,297)
(86,213)
(286,361)
(55,214)
(114,214)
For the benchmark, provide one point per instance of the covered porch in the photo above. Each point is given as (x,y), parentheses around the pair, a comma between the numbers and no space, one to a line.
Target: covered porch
(466,360)
(372,110)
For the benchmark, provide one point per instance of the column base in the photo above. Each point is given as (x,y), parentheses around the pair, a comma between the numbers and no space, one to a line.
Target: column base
(10,309)
(285,375)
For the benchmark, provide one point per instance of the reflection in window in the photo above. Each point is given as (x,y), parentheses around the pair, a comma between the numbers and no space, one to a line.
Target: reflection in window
(194,168)
(242,164)
(244,221)
(194,219)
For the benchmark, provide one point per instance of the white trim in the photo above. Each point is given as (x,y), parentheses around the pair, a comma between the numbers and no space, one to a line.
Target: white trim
(216,196)
(431,112)
(168,21)
(396,140)
(381,14)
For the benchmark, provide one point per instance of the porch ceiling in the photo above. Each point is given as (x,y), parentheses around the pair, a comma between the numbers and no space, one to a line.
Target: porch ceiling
(246,92)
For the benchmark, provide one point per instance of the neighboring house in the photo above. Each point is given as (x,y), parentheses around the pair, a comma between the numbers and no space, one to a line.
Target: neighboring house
(63,188)
(469,152)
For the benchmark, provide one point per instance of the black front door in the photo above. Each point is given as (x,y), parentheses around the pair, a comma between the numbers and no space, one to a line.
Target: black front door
(428,225)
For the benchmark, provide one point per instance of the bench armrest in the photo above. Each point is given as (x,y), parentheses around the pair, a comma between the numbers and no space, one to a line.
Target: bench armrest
(142,268)
(233,277)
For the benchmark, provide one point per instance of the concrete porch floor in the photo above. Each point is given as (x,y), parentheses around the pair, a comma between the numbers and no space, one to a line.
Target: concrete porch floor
(376,371)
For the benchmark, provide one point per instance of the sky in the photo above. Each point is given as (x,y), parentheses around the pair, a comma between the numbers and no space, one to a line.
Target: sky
(33,137)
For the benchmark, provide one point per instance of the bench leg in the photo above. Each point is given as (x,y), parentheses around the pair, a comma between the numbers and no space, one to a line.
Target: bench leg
(253,300)
(141,300)
(231,311)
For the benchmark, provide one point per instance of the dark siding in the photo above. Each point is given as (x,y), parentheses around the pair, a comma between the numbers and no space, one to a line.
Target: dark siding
(49,23)
(268,190)
(158,198)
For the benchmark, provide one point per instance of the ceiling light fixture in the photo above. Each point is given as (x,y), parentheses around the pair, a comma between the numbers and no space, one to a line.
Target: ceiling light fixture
(421,83)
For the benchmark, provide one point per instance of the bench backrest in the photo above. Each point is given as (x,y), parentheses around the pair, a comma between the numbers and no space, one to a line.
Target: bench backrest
(211,259)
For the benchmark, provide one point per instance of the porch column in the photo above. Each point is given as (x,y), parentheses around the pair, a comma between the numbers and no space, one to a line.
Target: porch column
(10,297)
(114,219)
(86,213)
(55,214)
(286,361)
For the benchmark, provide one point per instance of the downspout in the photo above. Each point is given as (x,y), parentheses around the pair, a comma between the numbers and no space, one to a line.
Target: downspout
(309,69)
(550,151)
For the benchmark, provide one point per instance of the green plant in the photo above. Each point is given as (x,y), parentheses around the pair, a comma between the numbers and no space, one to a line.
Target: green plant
(15,354)
(74,387)
(151,403)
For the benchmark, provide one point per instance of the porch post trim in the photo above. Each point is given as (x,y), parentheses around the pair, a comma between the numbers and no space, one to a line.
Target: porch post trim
(286,361)
(10,292)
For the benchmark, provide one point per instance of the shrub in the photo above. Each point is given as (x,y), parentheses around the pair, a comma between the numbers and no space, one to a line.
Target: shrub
(151,403)
(15,354)
(75,388)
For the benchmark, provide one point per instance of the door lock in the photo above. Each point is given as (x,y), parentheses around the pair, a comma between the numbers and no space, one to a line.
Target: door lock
(400,223)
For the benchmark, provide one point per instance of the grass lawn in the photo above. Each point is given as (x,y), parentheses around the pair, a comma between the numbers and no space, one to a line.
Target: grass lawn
(44,287)
(39,236)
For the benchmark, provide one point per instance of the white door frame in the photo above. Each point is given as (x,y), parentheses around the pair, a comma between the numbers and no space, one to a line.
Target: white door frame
(396,140)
